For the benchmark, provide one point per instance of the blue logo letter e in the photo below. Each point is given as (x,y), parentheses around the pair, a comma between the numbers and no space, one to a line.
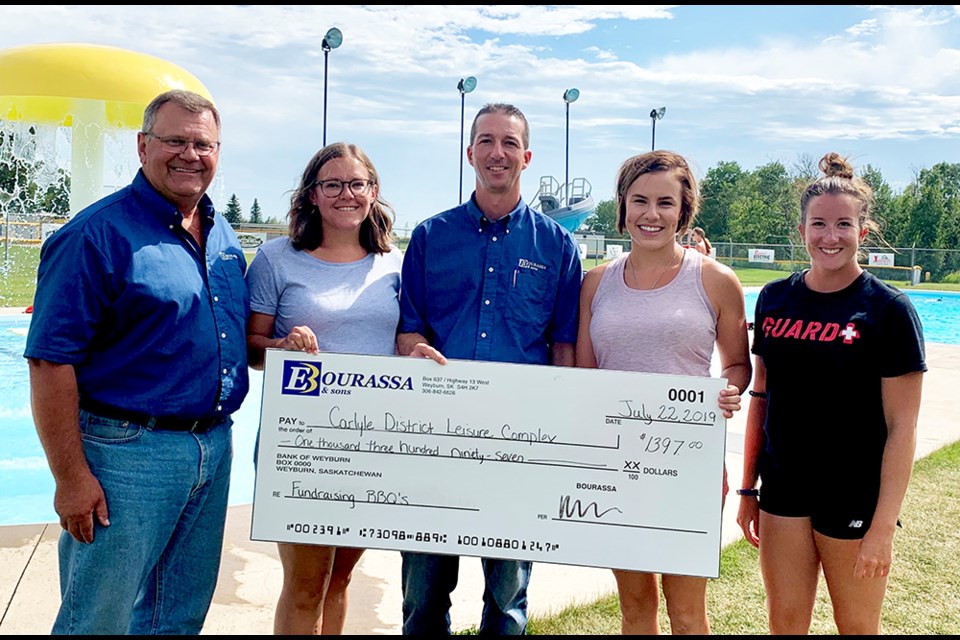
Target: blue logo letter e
(300,378)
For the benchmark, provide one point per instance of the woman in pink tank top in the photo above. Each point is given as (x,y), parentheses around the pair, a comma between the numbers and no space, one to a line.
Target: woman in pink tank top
(661,309)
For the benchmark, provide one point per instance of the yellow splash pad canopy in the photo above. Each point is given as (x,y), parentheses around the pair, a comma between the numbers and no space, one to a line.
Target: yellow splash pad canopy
(90,88)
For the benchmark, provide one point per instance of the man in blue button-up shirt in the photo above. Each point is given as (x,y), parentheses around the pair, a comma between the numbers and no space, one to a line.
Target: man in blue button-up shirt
(137,353)
(491,279)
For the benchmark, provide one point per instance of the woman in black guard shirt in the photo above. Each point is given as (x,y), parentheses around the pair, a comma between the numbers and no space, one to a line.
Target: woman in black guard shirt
(831,428)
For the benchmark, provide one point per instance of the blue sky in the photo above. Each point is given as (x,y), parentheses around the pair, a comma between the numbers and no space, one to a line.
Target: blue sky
(880,84)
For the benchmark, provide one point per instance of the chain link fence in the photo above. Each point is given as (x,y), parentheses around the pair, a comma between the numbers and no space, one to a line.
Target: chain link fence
(908,264)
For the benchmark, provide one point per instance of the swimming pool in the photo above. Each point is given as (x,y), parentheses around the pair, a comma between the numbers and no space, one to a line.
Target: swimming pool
(27,485)
(939,313)
(27,490)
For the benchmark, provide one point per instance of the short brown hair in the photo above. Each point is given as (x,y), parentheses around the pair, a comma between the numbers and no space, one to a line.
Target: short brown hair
(508,109)
(638,165)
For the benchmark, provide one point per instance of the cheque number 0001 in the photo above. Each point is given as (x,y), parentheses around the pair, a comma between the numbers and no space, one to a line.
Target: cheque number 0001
(685,395)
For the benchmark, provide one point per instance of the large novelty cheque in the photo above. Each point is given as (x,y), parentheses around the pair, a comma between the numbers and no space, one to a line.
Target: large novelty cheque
(572,466)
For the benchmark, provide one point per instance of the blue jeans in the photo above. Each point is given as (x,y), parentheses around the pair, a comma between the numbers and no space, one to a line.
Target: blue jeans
(154,569)
(428,580)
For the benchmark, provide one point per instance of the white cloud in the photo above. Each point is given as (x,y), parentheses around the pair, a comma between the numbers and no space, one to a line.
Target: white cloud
(865,27)
(891,74)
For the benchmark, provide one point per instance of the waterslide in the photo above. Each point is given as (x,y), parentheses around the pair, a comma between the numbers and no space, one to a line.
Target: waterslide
(570,205)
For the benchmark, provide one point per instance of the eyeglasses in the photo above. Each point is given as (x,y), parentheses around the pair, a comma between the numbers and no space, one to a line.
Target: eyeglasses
(179,145)
(333,188)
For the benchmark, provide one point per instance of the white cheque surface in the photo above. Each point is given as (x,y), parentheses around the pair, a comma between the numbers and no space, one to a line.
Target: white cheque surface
(572,466)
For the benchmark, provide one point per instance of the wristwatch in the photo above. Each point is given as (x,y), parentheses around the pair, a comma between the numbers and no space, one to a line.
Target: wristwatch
(748,492)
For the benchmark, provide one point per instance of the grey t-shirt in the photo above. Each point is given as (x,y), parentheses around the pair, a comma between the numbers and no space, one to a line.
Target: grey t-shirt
(353,307)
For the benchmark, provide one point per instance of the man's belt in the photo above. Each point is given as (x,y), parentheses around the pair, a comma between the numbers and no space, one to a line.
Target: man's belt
(162,423)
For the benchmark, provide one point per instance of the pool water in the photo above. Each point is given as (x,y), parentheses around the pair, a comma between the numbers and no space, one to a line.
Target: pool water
(27,485)
(939,313)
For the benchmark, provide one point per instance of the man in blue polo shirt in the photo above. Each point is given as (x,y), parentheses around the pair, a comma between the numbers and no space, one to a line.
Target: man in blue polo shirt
(491,279)
(137,356)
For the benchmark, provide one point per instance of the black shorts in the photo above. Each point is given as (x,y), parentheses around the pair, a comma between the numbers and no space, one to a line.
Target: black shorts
(844,510)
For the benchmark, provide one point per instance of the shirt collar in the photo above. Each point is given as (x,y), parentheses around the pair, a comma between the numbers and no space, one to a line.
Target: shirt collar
(476,215)
(163,208)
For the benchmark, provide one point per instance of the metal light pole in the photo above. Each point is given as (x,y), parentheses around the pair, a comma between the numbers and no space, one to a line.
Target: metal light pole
(570,95)
(465,86)
(332,40)
(655,114)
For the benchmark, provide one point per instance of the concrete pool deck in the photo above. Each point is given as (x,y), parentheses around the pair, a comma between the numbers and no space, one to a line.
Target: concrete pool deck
(250,574)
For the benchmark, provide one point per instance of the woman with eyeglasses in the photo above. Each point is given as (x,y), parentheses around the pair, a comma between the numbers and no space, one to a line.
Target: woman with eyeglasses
(331,285)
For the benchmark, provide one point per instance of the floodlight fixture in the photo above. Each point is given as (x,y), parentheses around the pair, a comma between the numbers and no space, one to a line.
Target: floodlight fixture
(570,95)
(465,86)
(332,40)
(655,114)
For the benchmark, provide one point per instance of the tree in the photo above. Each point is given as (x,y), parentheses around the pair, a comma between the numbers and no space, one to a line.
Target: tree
(750,219)
(935,219)
(604,219)
(255,216)
(233,214)
(884,204)
(765,209)
(806,168)
(778,191)
(718,189)
(28,184)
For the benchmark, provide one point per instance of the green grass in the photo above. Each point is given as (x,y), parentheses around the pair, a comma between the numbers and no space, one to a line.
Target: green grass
(759,277)
(923,592)
(18,275)
(931,286)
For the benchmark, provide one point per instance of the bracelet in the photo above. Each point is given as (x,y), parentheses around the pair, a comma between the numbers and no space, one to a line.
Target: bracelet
(748,492)
(757,394)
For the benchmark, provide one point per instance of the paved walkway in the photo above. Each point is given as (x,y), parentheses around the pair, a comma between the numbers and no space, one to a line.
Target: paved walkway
(250,575)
